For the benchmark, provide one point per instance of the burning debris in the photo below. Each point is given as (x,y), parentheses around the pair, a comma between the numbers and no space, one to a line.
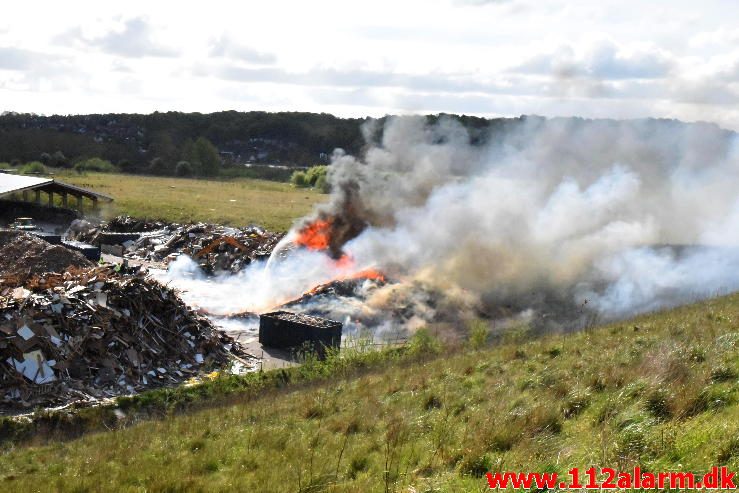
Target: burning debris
(89,334)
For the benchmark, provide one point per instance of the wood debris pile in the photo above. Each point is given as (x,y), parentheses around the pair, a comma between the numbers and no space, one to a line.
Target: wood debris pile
(89,334)
(218,249)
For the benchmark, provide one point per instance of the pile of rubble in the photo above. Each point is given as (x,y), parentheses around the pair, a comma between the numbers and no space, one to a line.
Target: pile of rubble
(89,334)
(23,255)
(128,224)
(88,232)
(216,248)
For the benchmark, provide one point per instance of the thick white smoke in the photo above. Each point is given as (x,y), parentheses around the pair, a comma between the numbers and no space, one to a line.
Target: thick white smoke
(547,212)
(566,205)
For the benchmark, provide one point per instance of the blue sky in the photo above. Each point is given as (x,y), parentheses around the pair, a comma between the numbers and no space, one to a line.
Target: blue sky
(620,59)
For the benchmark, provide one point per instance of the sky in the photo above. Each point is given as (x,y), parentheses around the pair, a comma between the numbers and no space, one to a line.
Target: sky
(595,59)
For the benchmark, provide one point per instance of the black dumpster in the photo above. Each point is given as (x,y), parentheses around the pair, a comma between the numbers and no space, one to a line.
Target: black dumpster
(52,238)
(283,329)
(91,252)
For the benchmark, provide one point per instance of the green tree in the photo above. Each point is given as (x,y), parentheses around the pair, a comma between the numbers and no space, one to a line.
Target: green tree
(59,160)
(45,158)
(162,146)
(183,168)
(126,166)
(205,157)
(157,166)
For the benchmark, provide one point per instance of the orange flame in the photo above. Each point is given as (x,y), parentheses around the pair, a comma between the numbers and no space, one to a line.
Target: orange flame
(373,274)
(316,235)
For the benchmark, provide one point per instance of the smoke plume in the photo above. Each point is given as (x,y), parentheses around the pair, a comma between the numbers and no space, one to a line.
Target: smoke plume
(557,220)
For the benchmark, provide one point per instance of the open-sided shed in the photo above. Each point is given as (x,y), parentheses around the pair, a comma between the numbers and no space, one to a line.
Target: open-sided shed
(31,188)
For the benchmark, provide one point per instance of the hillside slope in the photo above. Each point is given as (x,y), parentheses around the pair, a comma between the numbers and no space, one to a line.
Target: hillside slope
(660,391)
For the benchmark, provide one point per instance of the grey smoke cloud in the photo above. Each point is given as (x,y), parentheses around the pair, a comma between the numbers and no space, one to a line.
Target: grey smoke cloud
(555,220)
(566,205)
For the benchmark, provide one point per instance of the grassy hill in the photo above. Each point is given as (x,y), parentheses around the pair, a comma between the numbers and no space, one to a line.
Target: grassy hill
(238,201)
(660,391)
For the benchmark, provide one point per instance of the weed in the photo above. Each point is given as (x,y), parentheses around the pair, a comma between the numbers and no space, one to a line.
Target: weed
(723,373)
(475,465)
(358,465)
(479,334)
(729,450)
(657,403)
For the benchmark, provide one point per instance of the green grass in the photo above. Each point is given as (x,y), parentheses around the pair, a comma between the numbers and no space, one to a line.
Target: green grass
(660,391)
(237,201)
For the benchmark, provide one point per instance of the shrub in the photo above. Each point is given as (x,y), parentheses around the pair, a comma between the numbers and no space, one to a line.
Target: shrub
(423,342)
(299,179)
(322,184)
(4,165)
(33,167)
(95,164)
(315,176)
(314,173)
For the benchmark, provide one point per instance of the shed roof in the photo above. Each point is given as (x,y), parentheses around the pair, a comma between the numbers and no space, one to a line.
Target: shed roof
(10,183)
(16,183)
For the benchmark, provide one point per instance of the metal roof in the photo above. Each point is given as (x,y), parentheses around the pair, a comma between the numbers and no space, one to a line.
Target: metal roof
(15,183)
(10,183)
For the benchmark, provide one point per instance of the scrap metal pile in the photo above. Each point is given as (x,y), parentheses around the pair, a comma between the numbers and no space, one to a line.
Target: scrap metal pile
(216,248)
(89,334)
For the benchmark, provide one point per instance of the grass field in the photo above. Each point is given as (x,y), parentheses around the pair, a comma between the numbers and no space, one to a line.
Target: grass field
(238,201)
(660,391)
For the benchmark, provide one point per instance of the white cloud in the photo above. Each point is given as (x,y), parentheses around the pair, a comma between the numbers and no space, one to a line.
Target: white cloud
(225,46)
(603,60)
(598,59)
(133,39)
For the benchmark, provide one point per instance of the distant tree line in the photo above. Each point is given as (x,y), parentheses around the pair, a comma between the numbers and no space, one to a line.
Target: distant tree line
(196,144)
(177,143)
